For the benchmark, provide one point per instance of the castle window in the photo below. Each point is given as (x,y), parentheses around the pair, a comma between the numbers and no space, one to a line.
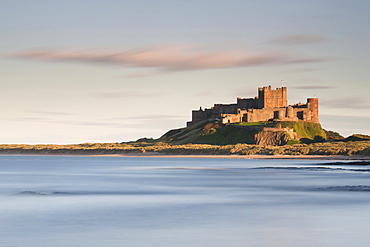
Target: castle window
(300,115)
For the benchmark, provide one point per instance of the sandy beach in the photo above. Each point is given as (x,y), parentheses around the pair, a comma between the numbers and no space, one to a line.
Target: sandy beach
(256,156)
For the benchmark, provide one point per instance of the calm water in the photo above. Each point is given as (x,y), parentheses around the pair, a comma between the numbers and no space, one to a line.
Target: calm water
(169,202)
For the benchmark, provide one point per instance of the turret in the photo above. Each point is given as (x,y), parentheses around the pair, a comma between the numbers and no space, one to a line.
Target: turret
(313,107)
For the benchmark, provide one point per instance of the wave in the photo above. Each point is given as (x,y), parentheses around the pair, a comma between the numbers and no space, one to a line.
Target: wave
(357,163)
(315,168)
(193,168)
(346,188)
(88,193)
(40,193)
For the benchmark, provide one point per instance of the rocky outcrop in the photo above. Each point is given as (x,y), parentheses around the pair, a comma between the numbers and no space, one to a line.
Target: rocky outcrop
(271,138)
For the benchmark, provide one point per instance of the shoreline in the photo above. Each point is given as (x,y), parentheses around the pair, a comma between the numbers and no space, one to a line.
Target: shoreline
(212,156)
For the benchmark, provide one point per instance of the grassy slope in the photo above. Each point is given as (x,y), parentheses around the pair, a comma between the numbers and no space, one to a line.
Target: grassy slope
(357,137)
(209,133)
(214,133)
(307,130)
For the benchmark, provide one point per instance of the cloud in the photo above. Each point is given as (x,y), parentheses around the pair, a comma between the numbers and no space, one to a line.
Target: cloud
(201,93)
(123,122)
(354,102)
(310,70)
(346,118)
(298,39)
(129,94)
(168,58)
(30,119)
(143,119)
(142,74)
(54,113)
(159,117)
(312,87)
(309,60)
(244,92)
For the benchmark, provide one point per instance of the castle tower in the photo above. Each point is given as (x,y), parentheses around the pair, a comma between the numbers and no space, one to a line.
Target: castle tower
(270,98)
(289,112)
(313,107)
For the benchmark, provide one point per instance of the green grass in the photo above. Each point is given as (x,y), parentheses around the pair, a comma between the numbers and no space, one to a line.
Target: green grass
(365,152)
(228,135)
(209,132)
(212,132)
(357,137)
(307,130)
(252,124)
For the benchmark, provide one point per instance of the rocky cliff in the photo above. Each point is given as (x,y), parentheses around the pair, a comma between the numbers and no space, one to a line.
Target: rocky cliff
(271,138)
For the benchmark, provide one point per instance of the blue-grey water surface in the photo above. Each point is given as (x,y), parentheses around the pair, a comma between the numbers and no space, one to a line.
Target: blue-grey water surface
(168,202)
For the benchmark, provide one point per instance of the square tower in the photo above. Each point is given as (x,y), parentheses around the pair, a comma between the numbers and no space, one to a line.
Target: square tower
(270,98)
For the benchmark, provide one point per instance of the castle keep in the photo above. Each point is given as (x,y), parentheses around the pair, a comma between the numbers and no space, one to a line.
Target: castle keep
(269,104)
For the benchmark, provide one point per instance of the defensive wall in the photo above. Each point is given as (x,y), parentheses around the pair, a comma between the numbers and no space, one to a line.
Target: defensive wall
(269,104)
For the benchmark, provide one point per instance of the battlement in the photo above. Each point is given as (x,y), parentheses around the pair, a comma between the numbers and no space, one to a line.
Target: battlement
(269,98)
(269,104)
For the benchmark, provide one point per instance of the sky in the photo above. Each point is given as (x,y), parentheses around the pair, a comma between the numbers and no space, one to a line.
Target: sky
(111,71)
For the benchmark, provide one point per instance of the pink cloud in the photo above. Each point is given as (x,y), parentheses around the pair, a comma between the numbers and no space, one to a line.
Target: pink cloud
(313,87)
(298,39)
(350,102)
(167,58)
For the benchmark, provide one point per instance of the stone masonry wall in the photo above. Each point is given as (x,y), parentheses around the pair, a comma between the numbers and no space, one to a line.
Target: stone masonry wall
(270,104)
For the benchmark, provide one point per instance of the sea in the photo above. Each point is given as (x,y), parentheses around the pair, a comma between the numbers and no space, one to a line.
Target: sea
(87,201)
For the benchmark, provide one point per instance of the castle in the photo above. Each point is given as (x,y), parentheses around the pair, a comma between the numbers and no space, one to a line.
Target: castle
(269,104)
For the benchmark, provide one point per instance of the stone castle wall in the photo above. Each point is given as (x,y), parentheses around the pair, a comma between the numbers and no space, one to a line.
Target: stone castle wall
(269,104)
(269,98)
